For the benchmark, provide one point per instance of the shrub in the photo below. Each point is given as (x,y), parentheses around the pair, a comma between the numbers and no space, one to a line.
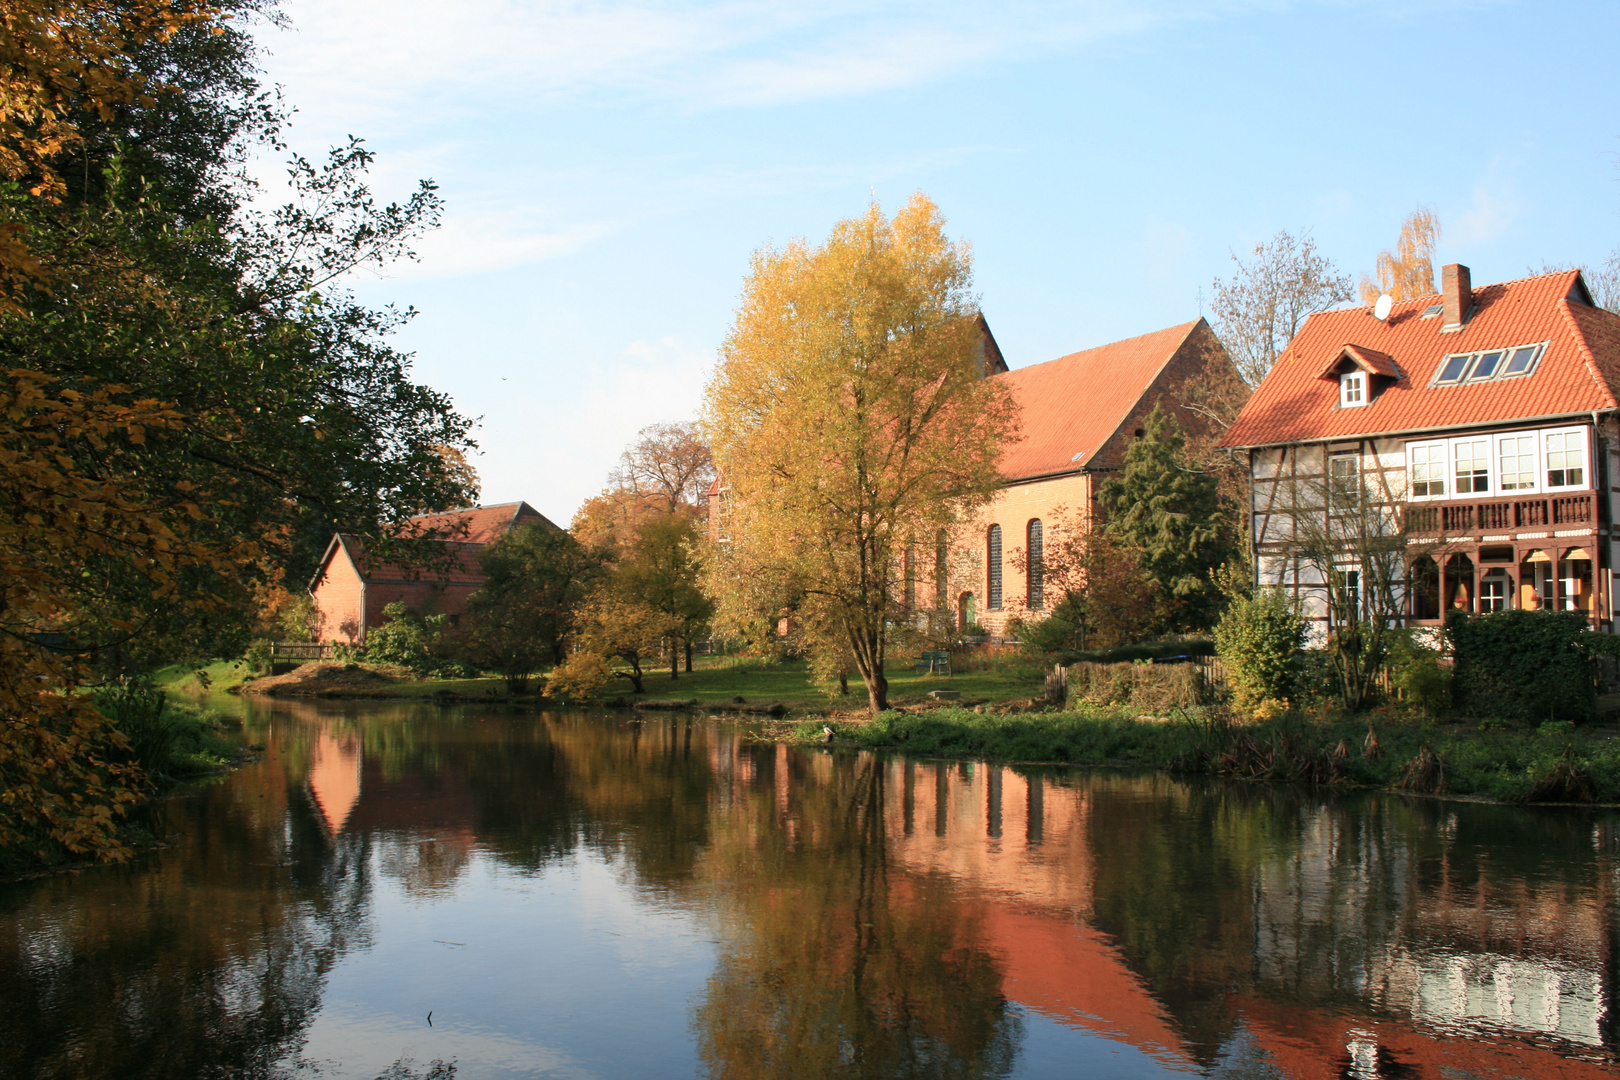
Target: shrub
(258,656)
(1151,688)
(581,677)
(405,639)
(1523,665)
(1062,631)
(168,741)
(1258,637)
(1416,670)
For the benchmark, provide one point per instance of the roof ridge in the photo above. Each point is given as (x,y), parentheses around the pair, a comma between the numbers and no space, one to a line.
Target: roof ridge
(1108,345)
(1528,277)
(468,509)
(1440,294)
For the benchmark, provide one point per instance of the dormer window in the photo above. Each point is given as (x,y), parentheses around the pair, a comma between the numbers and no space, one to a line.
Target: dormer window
(1362,374)
(1352,389)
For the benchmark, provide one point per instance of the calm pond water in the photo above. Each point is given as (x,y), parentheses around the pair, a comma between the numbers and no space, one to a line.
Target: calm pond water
(600,895)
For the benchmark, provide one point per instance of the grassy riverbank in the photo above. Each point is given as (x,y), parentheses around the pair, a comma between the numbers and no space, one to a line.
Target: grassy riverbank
(718,681)
(169,742)
(1554,763)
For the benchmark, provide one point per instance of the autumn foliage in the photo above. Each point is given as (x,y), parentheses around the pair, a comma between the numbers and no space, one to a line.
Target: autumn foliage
(849,415)
(190,404)
(1408,271)
(67,529)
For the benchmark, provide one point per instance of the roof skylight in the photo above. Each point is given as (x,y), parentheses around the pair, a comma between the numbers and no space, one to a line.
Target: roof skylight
(1488,364)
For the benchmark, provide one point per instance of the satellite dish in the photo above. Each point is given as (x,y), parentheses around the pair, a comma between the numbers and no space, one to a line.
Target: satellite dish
(1381,308)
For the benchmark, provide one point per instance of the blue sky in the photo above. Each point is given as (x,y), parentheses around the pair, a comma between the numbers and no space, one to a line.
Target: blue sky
(609,166)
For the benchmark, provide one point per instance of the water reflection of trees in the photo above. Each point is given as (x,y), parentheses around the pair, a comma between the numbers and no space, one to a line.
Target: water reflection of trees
(869,914)
(155,970)
(834,964)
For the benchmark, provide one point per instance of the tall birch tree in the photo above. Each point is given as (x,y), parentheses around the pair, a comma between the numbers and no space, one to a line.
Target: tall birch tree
(849,414)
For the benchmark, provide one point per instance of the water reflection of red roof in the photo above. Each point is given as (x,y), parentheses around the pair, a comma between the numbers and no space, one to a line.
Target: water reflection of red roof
(1067,971)
(1312,1043)
(334,777)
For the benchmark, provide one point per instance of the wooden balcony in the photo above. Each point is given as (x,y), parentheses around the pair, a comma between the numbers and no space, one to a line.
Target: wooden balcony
(1460,518)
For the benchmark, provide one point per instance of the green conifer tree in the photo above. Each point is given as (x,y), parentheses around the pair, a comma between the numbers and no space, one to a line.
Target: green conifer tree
(1170,514)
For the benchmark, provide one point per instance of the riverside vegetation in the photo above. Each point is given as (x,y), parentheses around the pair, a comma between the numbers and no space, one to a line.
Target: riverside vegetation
(161,743)
(1528,674)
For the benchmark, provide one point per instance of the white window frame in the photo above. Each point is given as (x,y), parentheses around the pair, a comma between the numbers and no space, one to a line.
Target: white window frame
(1353,389)
(1411,470)
(1496,574)
(1583,440)
(1496,464)
(1490,467)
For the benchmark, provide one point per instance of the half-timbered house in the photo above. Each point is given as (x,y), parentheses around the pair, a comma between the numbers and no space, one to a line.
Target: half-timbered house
(1483,421)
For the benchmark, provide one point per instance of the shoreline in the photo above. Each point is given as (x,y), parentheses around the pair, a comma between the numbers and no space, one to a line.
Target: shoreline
(1383,750)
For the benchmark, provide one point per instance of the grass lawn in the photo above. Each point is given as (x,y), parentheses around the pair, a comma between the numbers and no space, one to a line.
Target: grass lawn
(215,675)
(720,680)
(1555,762)
(717,681)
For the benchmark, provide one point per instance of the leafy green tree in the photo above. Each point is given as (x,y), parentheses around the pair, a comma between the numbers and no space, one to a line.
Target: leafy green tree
(520,619)
(662,571)
(162,276)
(193,404)
(1169,514)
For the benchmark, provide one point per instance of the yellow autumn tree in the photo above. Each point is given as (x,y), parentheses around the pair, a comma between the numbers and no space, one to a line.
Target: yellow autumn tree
(1408,271)
(67,533)
(850,411)
(81,513)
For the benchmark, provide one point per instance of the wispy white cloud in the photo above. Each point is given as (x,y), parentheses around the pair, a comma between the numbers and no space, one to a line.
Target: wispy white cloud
(421,59)
(1491,212)
(480,242)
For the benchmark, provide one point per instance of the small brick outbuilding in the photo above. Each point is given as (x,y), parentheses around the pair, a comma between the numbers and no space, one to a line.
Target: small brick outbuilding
(351,588)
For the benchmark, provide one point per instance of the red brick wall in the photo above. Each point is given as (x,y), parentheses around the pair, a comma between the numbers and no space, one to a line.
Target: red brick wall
(421,597)
(340,598)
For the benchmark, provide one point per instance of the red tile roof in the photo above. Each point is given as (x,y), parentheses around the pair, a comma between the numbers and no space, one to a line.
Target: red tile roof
(463,534)
(474,525)
(1577,374)
(447,564)
(1071,406)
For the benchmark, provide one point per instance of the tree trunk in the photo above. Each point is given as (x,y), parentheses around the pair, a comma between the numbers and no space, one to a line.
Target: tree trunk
(674,658)
(689,656)
(877,690)
(867,648)
(843,682)
(634,674)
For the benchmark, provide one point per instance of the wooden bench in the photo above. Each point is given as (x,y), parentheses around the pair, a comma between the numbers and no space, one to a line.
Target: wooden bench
(935,663)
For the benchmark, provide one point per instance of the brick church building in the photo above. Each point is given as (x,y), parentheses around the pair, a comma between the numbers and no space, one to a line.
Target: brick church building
(1078,414)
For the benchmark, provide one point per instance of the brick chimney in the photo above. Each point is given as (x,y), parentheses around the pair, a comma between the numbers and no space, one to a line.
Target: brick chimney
(1458,295)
